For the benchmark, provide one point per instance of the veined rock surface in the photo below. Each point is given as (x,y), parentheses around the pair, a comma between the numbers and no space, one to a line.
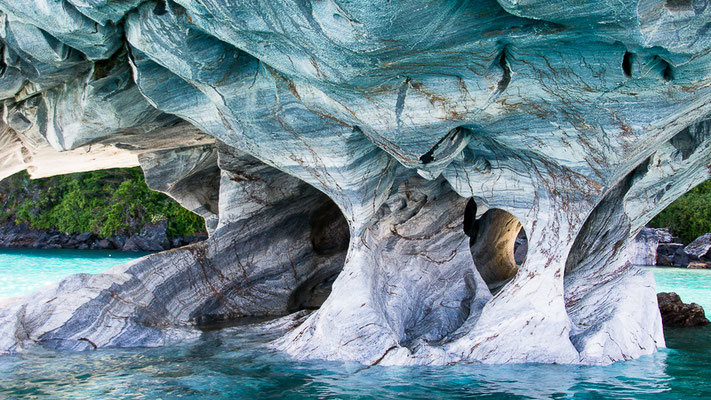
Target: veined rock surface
(373,158)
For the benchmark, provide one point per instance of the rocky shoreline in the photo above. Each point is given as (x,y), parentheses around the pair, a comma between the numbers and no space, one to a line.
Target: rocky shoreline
(152,237)
(658,247)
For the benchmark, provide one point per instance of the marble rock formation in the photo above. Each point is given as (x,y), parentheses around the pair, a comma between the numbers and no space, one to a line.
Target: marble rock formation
(374,158)
(697,252)
(644,249)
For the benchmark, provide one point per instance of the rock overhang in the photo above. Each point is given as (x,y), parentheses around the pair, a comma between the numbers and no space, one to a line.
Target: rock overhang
(565,116)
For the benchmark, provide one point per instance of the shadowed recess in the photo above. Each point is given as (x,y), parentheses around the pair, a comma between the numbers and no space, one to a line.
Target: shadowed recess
(493,241)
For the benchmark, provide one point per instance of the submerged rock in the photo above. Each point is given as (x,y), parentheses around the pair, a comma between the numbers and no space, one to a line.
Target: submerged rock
(437,129)
(676,313)
(698,265)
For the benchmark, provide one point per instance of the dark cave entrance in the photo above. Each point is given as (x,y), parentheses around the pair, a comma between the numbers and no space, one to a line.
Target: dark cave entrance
(498,244)
(330,237)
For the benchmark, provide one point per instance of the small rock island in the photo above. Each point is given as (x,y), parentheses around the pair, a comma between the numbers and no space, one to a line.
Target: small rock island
(676,313)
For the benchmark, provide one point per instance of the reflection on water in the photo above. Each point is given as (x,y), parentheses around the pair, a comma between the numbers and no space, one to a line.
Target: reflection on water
(234,363)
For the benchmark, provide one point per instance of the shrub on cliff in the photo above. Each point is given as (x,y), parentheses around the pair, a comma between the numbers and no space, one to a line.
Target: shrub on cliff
(107,202)
(690,215)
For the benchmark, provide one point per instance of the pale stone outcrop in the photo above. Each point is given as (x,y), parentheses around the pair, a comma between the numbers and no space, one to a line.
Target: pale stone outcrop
(643,249)
(436,129)
(257,263)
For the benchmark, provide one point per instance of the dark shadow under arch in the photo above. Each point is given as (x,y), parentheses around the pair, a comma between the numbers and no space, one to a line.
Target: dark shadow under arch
(329,238)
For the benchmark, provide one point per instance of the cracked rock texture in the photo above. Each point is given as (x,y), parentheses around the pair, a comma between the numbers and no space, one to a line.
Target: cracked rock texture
(676,313)
(373,158)
(643,250)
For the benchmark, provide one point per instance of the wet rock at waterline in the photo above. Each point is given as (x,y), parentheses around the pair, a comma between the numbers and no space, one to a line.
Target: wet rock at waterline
(671,254)
(676,313)
(698,250)
(375,158)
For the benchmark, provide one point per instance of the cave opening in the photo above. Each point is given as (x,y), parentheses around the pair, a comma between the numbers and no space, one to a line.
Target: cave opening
(627,61)
(3,65)
(273,270)
(330,236)
(664,68)
(498,244)
(161,8)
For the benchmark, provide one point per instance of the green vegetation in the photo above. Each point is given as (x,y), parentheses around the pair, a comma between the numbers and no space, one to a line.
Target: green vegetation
(107,202)
(690,215)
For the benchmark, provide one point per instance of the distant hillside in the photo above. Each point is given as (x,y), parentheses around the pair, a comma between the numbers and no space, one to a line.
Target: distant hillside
(106,203)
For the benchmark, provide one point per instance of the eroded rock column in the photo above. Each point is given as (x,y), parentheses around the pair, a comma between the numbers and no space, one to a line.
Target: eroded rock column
(409,281)
(613,304)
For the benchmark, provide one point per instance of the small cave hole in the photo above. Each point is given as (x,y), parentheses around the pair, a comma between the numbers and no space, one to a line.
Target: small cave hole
(471,224)
(3,64)
(668,73)
(498,244)
(627,64)
(430,155)
(160,8)
(666,69)
(506,70)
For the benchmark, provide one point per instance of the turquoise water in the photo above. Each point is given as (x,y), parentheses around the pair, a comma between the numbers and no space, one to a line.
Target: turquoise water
(692,285)
(23,271)
(234,364)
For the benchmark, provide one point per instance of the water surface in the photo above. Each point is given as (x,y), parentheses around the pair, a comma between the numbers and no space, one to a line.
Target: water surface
(236,365)
(692,285)
(23,270)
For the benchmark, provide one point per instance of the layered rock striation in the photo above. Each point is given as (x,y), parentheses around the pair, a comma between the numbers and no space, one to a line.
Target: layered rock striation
(376,159)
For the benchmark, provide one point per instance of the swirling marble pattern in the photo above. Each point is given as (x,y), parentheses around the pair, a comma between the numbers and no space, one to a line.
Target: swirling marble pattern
(419,121)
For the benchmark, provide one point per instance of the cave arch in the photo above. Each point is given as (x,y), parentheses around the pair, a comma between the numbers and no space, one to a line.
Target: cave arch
(495,238)
(602,289)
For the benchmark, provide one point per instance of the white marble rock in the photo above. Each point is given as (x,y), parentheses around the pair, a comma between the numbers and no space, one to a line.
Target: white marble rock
(397,146)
